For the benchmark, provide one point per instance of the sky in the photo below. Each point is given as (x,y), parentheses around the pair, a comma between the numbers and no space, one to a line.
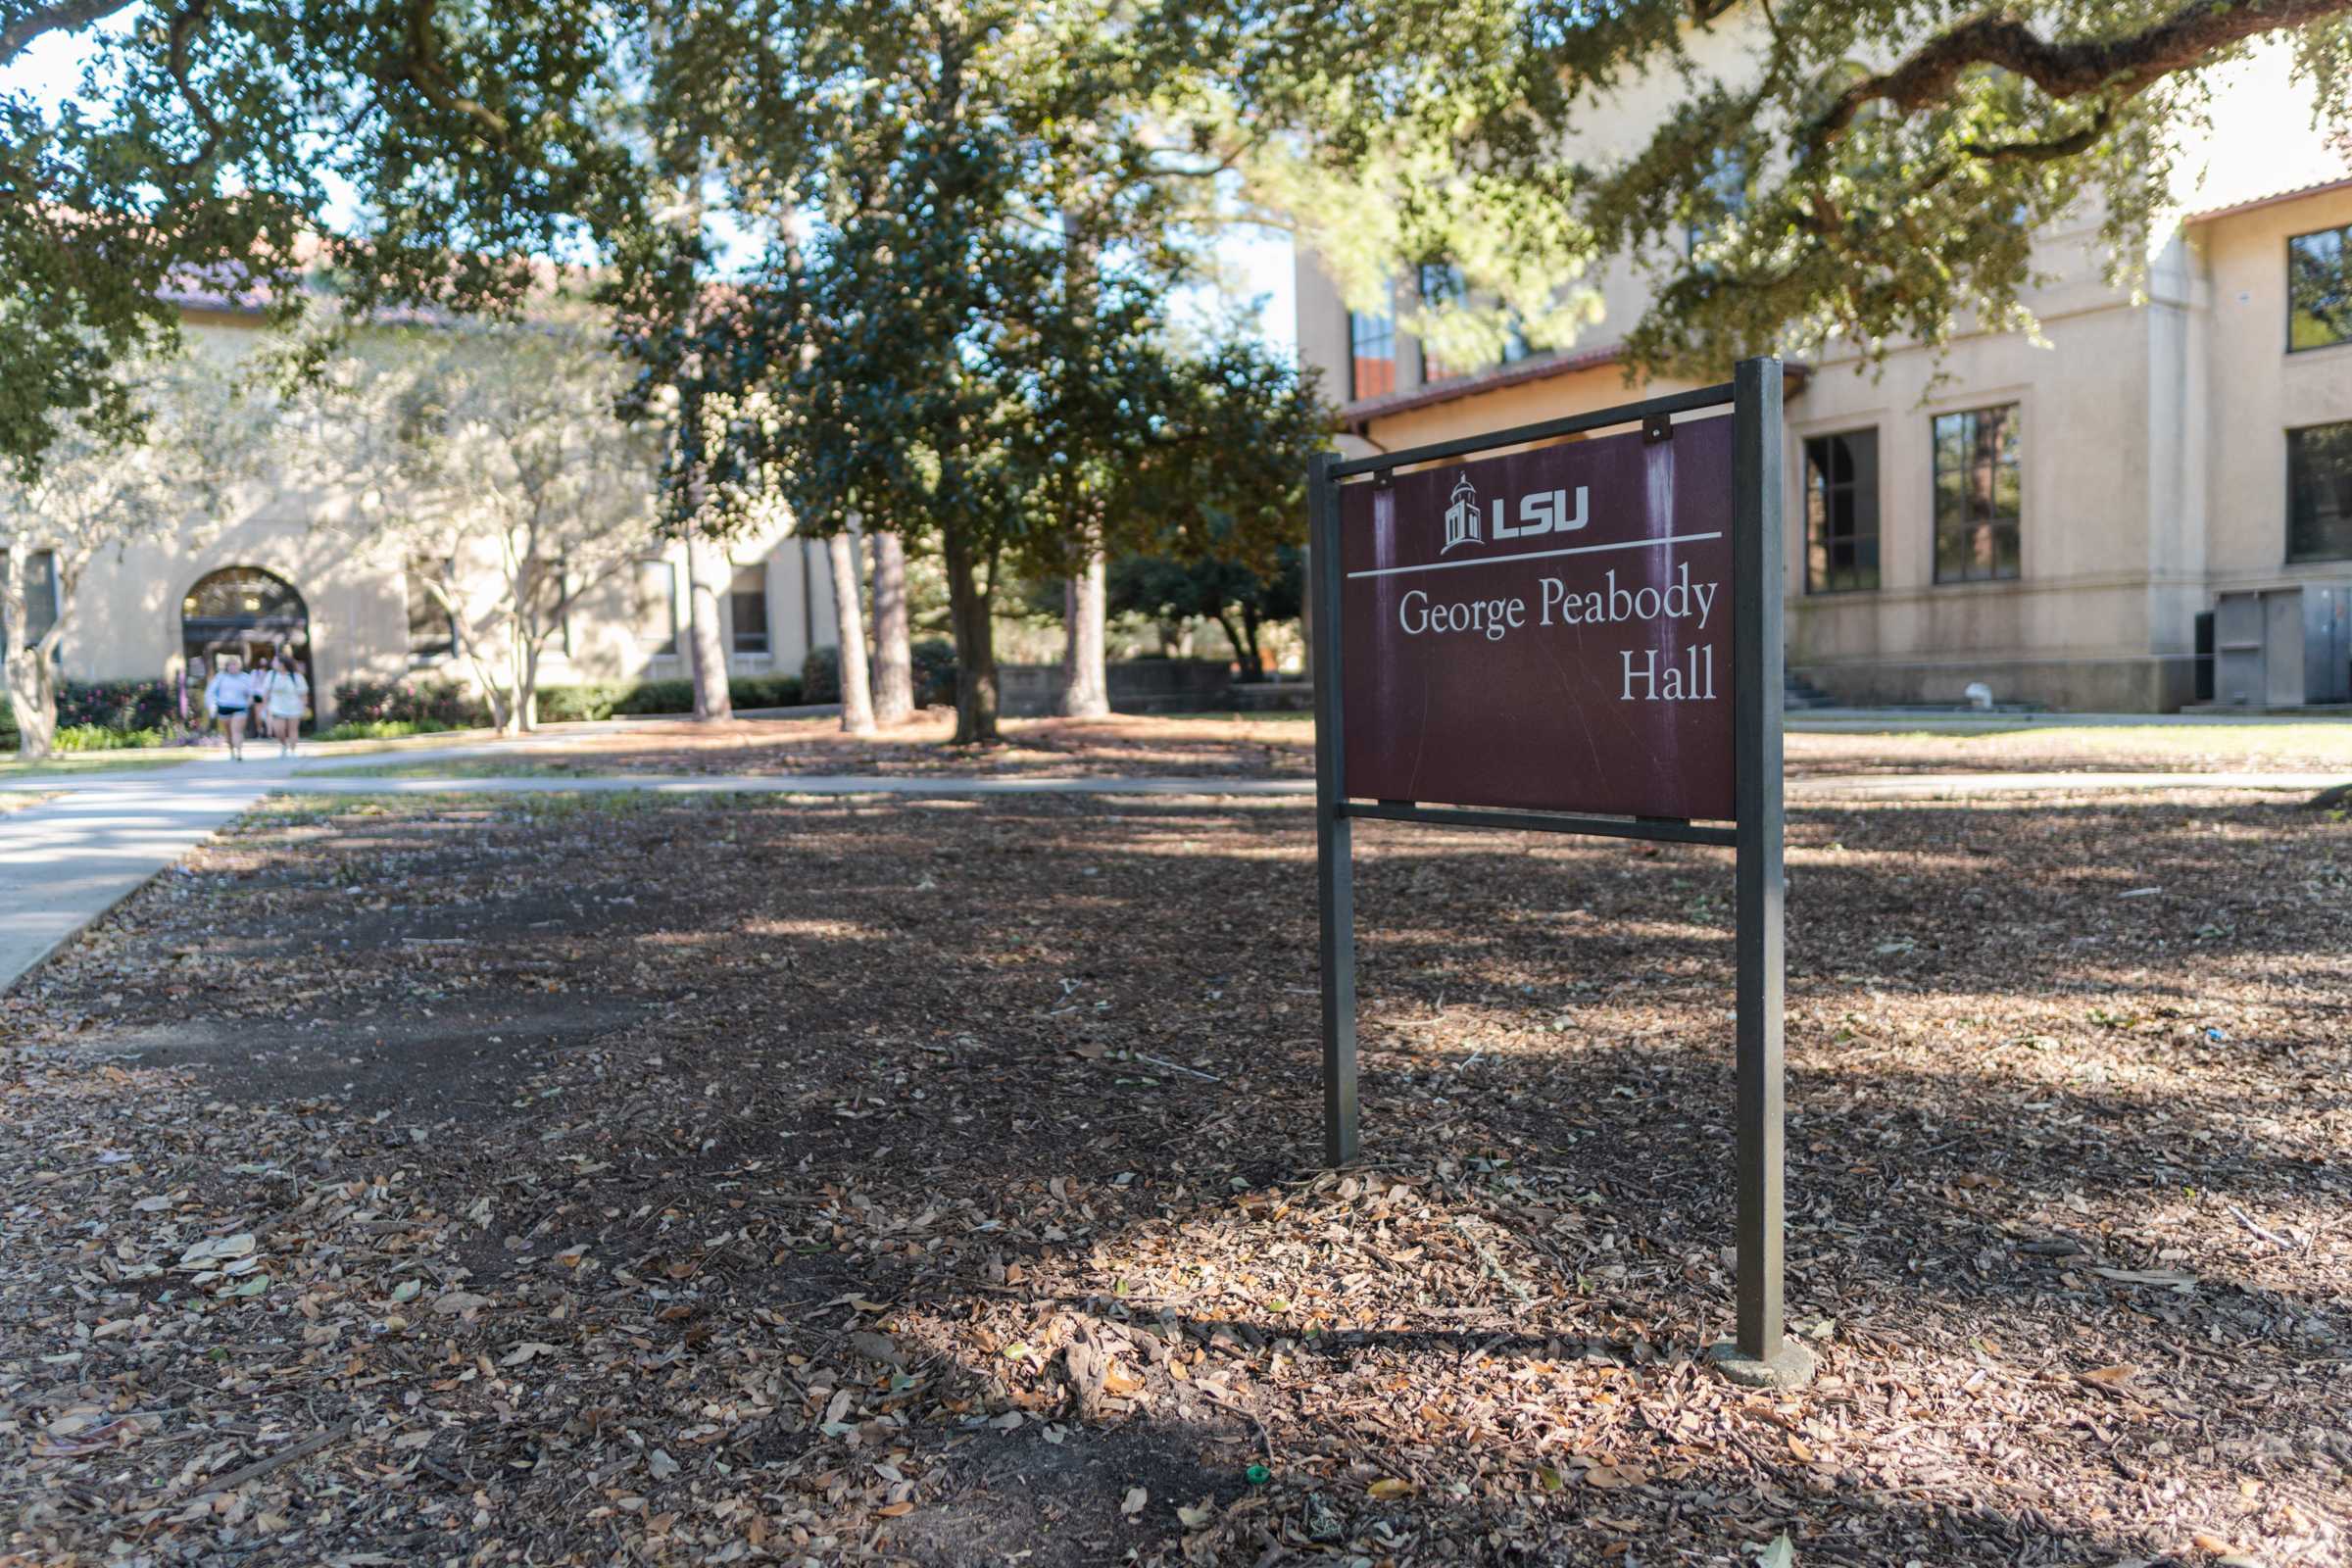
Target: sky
(1256,262)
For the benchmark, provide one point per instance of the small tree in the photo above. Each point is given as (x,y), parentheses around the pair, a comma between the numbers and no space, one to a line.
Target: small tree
(90,497)
(1236,597)
(500,478)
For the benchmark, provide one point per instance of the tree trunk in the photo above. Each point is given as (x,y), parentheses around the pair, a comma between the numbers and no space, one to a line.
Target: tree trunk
(33,694)
(526,690)
(975,646)
(1084,656)
(1233,635)
(893,636)
(712,702)
(857,695)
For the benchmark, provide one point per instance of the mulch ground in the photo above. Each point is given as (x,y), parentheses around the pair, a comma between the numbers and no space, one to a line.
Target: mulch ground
(607,1180)
(1238,746)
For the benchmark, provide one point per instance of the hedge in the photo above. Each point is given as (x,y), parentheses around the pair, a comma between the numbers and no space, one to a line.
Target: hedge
(138,712)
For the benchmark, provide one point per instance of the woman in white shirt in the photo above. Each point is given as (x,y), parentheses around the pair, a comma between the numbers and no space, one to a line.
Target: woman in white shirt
(282,694)
(228,694)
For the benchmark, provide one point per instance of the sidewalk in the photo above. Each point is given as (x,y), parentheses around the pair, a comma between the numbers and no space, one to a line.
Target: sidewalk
(68,860)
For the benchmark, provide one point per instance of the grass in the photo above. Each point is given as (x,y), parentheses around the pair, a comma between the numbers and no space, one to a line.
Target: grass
(463,768)
(94,761)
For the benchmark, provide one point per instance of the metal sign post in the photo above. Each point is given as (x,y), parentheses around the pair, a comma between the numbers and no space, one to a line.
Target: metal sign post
(1476,627)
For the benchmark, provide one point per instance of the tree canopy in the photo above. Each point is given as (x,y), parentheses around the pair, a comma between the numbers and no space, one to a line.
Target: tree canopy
(425,152)
(1864,169)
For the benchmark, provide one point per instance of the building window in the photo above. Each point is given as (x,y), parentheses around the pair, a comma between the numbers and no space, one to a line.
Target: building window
(41,596)
(1842,511)
(746,607)
(432,633)
(2319,492)
(1440,284)
(1372,351)
(1977,497)
(2318,289)
(657,607)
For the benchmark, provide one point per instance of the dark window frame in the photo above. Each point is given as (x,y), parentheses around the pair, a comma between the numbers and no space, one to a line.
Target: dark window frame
(2342,234)
(2012,419)
(736,632)
(1862,495)
(664,648)
(1371,329)
(2294,557)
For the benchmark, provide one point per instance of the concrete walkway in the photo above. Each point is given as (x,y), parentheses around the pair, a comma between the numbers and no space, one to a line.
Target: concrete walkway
(68,860)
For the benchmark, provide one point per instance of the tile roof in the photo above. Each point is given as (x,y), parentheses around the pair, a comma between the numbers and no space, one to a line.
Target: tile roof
(1366,410)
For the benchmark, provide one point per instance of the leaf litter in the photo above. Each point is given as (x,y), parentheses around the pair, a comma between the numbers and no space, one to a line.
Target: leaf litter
(617,1182)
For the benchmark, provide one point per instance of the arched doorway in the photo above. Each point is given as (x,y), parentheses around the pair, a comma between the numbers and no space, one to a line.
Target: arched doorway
(246,612)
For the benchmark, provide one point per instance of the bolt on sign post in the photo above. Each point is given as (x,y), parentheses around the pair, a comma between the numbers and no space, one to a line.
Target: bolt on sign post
(1579,637)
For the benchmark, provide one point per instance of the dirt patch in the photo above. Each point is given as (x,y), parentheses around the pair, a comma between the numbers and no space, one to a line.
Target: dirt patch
(933,1182)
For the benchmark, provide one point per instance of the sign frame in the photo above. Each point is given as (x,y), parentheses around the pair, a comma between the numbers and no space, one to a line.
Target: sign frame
(1761,1355)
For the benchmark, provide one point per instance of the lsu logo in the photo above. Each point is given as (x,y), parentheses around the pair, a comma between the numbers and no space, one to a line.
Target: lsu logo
(1540,512)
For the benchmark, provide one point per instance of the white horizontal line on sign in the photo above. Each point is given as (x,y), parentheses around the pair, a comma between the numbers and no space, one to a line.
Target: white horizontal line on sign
(1540,555)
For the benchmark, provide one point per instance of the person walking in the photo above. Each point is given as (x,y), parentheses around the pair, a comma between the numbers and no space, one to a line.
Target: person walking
(284,696)
(228,696)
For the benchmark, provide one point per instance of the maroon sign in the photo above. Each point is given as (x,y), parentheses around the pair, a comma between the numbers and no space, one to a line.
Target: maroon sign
(1550,629)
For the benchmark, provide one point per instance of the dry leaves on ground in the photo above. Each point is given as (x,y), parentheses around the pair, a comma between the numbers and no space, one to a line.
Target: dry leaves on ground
(605,1179)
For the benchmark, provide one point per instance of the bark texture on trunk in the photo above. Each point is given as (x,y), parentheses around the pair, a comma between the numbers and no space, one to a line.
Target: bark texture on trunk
(705,569)
(1085,653)
(856,694)
(975,646)
(893,636)
(32,695)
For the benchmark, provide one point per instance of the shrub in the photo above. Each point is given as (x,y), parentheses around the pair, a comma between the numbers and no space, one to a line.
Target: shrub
(100,738)
(380,729)
(656,697)
(121,706)
(433,705)
(589,700)
(765,691)
(935,673)
(820,675)
(125,707)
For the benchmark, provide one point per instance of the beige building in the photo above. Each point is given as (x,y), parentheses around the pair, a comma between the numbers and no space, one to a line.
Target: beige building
(278,570)
(2050,520)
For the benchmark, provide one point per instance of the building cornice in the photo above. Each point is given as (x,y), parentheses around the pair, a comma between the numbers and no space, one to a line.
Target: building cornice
(1356,418)
(2326,187)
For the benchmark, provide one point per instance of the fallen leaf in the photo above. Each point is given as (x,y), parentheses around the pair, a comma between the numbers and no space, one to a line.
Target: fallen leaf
(1133,1504)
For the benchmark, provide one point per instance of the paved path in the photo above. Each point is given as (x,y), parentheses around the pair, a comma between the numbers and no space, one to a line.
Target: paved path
(67,861)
